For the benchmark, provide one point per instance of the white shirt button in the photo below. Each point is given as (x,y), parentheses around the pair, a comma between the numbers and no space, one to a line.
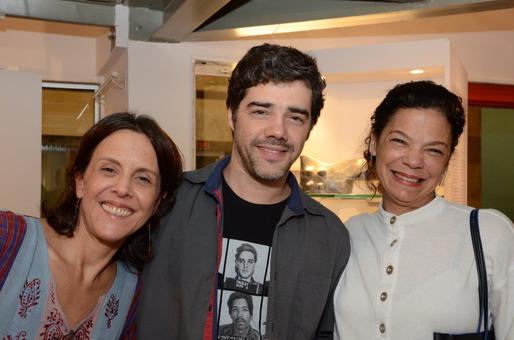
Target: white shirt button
(383,296)
(382,328)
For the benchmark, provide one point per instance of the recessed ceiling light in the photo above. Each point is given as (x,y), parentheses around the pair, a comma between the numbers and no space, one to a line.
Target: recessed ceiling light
(417,71)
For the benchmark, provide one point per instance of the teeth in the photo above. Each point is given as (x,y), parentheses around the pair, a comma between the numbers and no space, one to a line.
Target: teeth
(411,180)
(272,150)
(116,211)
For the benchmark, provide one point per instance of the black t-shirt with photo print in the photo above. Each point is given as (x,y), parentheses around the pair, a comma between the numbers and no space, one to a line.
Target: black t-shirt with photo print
(244,268)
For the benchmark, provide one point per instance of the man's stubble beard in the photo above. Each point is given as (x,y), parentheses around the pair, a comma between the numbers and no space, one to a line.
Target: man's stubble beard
(251,163)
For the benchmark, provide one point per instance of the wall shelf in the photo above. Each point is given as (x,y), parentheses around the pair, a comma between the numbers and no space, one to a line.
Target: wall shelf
(370,197)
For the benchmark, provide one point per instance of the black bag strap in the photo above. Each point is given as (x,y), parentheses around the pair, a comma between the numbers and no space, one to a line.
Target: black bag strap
(482,273)
(482,290)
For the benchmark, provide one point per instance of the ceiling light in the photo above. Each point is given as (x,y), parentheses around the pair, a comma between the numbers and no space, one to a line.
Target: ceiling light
(417,71)
(256,30)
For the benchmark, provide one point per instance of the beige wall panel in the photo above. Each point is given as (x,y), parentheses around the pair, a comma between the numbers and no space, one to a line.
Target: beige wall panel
(20,141)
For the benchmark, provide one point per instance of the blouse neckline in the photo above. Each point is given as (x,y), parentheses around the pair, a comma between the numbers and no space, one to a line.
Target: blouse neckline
(412,217)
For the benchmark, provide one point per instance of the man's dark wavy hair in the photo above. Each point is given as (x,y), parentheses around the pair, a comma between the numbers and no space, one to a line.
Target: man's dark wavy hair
(62,217)
(276,64)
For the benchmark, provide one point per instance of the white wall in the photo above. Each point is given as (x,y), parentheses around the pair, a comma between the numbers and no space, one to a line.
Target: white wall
(114,97)
(344,121)
(20,141)
(55,57)
(161,84)
(37,57)
(486,56)
(160,75)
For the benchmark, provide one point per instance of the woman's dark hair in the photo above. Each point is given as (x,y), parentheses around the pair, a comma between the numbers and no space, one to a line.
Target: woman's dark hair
(423,94)
(63,216)
(276,64)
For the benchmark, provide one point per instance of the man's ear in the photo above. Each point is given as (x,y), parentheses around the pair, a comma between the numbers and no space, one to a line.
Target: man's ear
(79,185)
(230,119)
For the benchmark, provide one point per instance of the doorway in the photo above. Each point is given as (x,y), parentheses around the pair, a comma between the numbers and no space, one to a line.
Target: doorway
(68,111)
(213,138)
(491,147)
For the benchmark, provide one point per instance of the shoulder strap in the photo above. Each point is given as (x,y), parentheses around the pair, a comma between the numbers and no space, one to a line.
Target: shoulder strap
(482,274)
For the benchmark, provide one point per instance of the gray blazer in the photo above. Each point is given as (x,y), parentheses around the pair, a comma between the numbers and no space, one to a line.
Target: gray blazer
(310,250)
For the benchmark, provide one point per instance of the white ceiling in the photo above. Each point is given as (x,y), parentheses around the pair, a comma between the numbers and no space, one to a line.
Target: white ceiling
(193,20)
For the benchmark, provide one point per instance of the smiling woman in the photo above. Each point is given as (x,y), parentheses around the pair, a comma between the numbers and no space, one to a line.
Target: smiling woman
(412,271)
(412,154)
(119,191)
(76,273)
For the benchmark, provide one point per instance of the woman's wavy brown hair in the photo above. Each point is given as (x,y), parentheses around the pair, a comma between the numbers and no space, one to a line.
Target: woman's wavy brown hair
(62,217)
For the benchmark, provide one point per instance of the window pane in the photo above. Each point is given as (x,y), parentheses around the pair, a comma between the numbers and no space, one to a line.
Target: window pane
(213,136)
(67,114)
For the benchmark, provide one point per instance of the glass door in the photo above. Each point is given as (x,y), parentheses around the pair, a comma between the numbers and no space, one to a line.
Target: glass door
(213,138)
(68,111)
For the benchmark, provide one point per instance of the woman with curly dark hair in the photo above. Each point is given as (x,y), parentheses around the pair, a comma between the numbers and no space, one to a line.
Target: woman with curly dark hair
(75,274)
(417,268)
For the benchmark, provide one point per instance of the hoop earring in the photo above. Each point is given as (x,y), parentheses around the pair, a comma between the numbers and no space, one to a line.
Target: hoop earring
(76,212)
